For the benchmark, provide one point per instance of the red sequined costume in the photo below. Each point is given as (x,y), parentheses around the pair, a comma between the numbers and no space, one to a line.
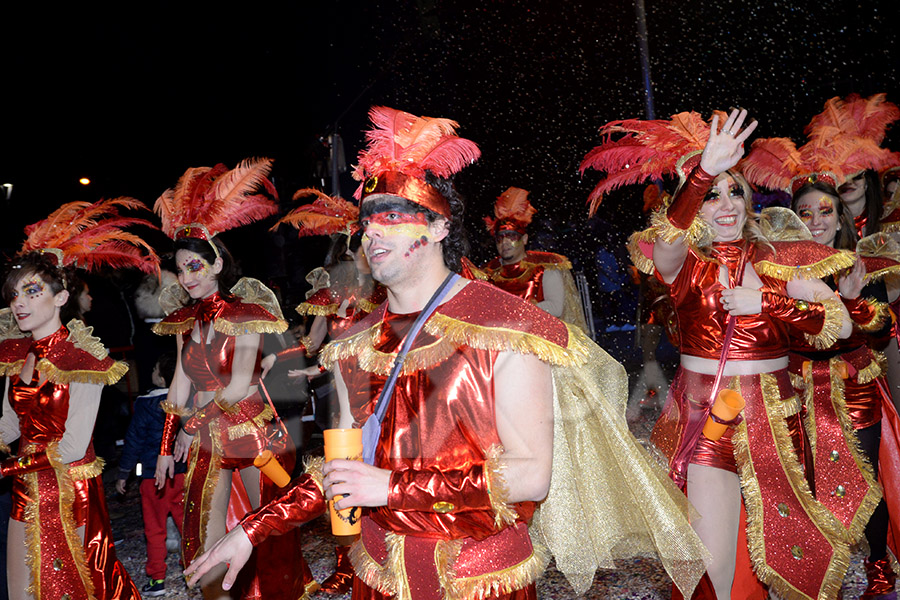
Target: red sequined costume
(231,438)
(786,527)
(327,302)
(853,428)
(447,531)
(57,486)
(525,280)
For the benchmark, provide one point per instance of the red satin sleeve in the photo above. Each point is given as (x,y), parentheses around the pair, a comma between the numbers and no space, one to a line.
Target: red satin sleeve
(301,503)
(28,463)
(808,317)
(433,490)
(687,202)
(298,351)
(170,428)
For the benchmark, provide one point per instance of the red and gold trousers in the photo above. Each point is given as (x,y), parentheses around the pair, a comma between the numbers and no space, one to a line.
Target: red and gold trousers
(53,503)
(231,441)
(503,566)
(796,545)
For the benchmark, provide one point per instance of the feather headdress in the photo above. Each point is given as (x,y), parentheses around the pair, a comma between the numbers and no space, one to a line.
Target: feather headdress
(209,200)
(512,211)
(91,235)
(776,163)
(325,216)
(648,150)
(854,116)
(402,147)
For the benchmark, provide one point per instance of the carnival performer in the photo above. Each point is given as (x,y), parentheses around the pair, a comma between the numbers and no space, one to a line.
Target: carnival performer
(218,324)
(845,392)
(736,297)
(59,543)
(341,296)
(492,396)
(542,278)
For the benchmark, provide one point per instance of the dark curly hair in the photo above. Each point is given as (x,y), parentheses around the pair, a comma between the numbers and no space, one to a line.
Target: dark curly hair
(456,245)
(229,274)
(36,263)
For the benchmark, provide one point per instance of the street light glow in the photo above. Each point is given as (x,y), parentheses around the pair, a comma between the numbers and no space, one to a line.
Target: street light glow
(84,181)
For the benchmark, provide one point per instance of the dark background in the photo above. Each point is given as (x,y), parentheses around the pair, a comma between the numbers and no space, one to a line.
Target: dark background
(132,94)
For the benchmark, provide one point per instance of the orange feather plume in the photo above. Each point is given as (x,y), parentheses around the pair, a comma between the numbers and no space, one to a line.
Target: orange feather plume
(648,150)
(92,235)
(218,198)
(855,116)
(404,143)
(325,216)
(511,205)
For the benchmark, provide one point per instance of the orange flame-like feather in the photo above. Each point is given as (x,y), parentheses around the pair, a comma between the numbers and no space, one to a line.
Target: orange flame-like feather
(218,198)
(325,216)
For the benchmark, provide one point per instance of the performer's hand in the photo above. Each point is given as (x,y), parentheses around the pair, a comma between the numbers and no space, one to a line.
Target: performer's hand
(234,549)
(120,486)
(850,285)
(165,468)
(182,445)
(308,372)
(725,147)
(267,363)
(359,484)
(742,301)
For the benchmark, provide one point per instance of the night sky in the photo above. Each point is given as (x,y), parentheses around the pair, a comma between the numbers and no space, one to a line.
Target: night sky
(131,95)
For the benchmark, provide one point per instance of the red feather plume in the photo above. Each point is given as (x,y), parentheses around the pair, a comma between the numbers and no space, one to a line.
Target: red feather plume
(325,216)
(511,205)
(855,116)
(648,150)
(402,142)
(218,198)
(92,235)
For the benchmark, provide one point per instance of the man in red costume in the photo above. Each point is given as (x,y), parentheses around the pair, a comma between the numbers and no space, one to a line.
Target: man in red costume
(542,278)
(474,424)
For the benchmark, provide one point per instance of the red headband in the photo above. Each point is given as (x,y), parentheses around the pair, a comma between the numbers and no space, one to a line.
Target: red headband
(411,188)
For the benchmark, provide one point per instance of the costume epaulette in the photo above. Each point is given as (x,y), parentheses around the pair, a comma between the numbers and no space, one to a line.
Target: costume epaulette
(801,260)
(890,223)
(322,303)
(251,307)
(80,358)
(484,317)
(548,260)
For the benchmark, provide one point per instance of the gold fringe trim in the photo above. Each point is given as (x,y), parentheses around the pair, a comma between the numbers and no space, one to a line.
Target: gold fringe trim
(827,266)
(9,329)
(873,496)
(504,581)
(57,375)
(820,516)
(251,425)
(173,409)
(67,518)
(890,227)
(882,314)
(32,536)
(317,310)
(504,514)
(699,233)
(446,552)
(809,423)
(452,334)
(831,328)
(643,262)
(367,307)
(875,369)
(169,328)
(312,466)
(248,327)
(91,469)
(7,369)
(309,590)
(390,578)
(210,483)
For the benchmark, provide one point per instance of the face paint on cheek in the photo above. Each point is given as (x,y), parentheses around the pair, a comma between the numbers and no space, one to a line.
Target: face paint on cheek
(195,265)
(392,223)
(33,288)
(419,243)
